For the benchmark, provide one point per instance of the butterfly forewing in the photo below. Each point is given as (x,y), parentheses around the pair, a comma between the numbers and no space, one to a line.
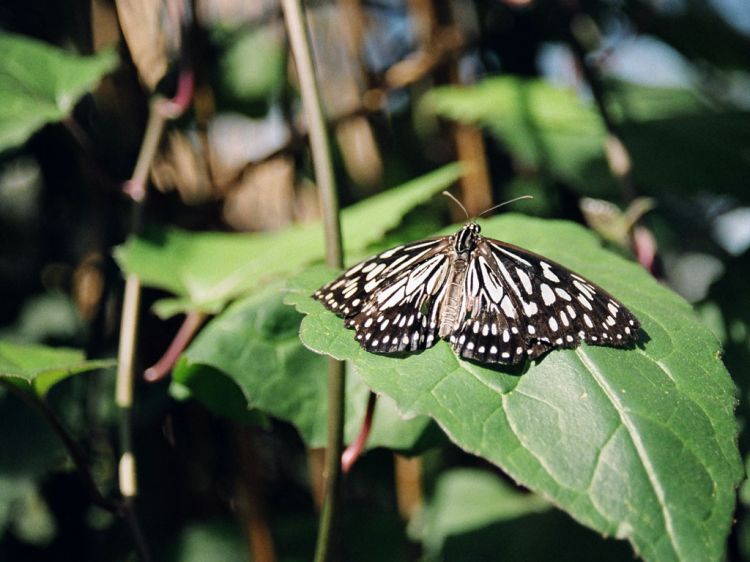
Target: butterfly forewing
(513,305)
(393,299)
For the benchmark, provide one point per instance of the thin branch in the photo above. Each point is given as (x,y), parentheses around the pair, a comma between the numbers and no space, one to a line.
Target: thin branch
(75,452)
(618,157)
(321,153)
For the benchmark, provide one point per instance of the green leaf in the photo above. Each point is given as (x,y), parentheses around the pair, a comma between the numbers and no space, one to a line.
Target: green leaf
(468,499)
(552,130)
(213,540)
(639,444)
(40,84)
(543,126)
(252,66)
(209,269)
(255,343)
(40,367)
(507,525)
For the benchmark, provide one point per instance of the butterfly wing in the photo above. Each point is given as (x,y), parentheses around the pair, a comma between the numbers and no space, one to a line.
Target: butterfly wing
(521,305)
(392,300)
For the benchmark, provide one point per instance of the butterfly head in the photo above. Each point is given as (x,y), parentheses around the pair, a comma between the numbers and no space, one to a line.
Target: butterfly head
(466,238)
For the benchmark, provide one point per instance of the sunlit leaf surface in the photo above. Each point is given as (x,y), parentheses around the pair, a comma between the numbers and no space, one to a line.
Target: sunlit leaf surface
(40,84)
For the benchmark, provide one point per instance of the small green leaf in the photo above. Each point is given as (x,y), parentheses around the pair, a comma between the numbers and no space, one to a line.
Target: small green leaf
(543,126)
(40,84)
(639,444)
(208,269)
(468,499)
(198,542)
(252,66)
(255,343)
(41,367)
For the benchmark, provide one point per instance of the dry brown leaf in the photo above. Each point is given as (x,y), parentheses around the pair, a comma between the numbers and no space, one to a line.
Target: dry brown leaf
(182,166)
(360,151)
(264,198)
(151,31)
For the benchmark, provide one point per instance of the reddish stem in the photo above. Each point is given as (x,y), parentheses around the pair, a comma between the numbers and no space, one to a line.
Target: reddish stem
(193,321)
(354,450)
(173,108)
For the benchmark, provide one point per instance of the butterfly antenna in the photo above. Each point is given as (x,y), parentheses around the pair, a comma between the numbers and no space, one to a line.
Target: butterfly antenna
(458,203)
(505,203)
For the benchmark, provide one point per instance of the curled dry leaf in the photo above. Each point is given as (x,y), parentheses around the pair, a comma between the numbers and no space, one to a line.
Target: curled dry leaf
(339,73)
(360,151)
(88,285)
(182,166)
(152,33)
(236,140)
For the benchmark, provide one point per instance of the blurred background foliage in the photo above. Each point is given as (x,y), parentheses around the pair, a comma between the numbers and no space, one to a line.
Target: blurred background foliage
(534,95)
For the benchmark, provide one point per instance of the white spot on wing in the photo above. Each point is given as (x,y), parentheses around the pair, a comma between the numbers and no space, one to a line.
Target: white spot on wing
(390,252)
(547,294)
(525,280)
(507,307)
(548,273)
(563,294)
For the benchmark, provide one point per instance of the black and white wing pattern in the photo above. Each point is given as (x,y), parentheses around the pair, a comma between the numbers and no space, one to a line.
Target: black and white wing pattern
(393,299)
(520,305)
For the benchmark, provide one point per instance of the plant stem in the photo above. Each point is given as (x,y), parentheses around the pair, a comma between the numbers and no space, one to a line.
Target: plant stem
(324,177)
(161,110)
(319,145)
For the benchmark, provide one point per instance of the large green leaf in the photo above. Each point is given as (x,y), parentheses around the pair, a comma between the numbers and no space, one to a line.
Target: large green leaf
(40,84)
(41,367)
(639,444)
(255,343)
(206,270)
(551,129)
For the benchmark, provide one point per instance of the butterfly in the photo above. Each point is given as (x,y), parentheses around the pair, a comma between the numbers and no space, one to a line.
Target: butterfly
(494,302)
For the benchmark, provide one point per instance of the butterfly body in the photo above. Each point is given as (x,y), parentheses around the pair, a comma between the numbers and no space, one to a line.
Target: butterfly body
(493,302)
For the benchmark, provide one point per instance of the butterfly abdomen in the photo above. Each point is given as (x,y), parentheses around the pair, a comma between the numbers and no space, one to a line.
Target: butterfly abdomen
(450,312)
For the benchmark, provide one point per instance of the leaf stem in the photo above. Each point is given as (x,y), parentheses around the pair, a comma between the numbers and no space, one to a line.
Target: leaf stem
(193,321)
(354,450)
(321,154)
